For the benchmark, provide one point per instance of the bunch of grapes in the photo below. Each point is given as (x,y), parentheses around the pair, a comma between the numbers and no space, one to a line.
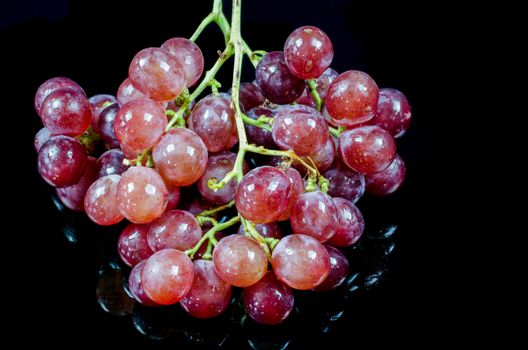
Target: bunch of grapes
(318,140)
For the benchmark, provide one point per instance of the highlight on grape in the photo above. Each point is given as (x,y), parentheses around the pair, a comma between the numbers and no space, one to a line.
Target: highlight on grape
(301,144)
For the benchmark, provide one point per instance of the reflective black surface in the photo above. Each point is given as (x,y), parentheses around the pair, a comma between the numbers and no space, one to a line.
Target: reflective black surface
(65,281)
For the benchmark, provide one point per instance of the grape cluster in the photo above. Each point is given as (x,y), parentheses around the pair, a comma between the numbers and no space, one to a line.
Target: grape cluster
(318,141)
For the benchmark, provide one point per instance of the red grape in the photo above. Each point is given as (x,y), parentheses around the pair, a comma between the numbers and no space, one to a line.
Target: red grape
(308,52)
(61,161)
(296,189)
(167,276)
(352,98)
(387,181)
(323,157)
(300,261)
(299,128)
(250,96)
(314,214)
(111,162)
(132,244)
(174,198)
(367,149)
(350,224)
(188,56)
(66,112)
(52,85)
(263,194)
(141,195)
(276,81)
(209,295)
(128,92)
(338,270)
(177,229)
(180,157)
(73,196)
(139,124)
(136,286)
(214,121)
(218,166)
(394,112)
(100,202)
(239,260)
(157,74)
(269,301)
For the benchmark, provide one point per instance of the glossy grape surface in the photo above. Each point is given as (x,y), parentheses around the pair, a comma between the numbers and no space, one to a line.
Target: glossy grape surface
(61,161)
(189,58)
(100,202)
(387,181)
(177,229)
(314,214)
(132,244)
(66,112)
(350,224)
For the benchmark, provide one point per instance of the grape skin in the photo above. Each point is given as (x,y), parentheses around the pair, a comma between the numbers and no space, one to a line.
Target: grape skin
(394,112)
(100,202)
(73,196)
(314,214)
(188,56)
(135,285)
(386,181)
(338,270)
(52,85)
(66,112)
(350,224)
(177,229)
(132,244)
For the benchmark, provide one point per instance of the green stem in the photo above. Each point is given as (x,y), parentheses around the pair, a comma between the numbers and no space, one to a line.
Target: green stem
(336,131)
(203,219)
(209,235)
(262,122)
(252,232)
(212,17)
(217,209)
(313,89)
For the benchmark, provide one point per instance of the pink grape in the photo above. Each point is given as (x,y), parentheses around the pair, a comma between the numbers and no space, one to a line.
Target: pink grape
(157,74)
(214,121)
(111,162)
(386,181)
(209,295)
(218,166)
(105,126)
(100,202)
(345,182)
(180,157)
(308,52)
(141,195)
(300,262)
(323,157)
(177,229)
(300,128)
(132,244)
(338,270)
(263,194)
(73,196)
(350,224)
(239,260)
(52,85)
(352,98)
(296,189)
(66,112)
(128,92)
(167,276)
(188,56)
(394,112)
(367,149)
(269,230)
(139,124)
(314,214)
(41,137)
(98,104)
(135,285)
(276,81)
(269,301)
(61,161)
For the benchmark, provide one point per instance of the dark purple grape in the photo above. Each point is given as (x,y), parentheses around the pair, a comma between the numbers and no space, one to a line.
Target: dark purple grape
(111,162)
(276,81)
(338,270)
(387,181)
(256,135)
(132,244)
(98,104)
(345,182)
(41,137)
(250,96)
(270,230)
(323,83)
(350,224)
(105,125)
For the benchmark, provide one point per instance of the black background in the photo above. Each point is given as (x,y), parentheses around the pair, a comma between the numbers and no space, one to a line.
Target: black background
(408,47)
